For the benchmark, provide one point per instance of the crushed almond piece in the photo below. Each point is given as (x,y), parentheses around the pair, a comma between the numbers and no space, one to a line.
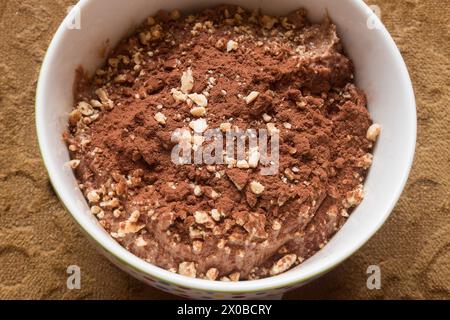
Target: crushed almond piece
(198,191)
(373,132)
(253,158)
(198,111)
(187,81)
(232,45)
(266,117)
(178,95)
(187,269)
(85,108)
(283,264)
(235,276)
(225,127)
(199,99)
(354,197)
(242,164)
(256,187)
(73,164)
(93,196)
(251,97)
(201,217)
(212,274)
(199,125)
(160,118)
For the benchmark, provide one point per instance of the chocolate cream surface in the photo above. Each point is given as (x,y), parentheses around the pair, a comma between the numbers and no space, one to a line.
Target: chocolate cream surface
(225,68)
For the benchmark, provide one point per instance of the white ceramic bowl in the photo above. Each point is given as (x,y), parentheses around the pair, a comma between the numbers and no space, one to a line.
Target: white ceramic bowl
(380,71)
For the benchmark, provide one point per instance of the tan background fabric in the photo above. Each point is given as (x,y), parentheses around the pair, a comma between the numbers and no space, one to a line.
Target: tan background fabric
(39,240)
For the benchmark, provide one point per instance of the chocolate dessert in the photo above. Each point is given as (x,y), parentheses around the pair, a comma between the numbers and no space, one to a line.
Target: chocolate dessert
(230,70)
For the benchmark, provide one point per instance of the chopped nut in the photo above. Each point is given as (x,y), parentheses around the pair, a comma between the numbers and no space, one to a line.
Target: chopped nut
(266,117)
(232,45)
(251,97)
(220,44)
(212,274)
(96,104)
(256,187)
(283,264)
(272,129)
(151,21)
(199,125)
(253,158)
(113,62)
(160,118)
(242,164)
(287,126)
(103,96)
(199,99)
(73,164)
(235,276)
(216,215)
(121,78)
(74,117)
(289,174)
(140,242)
(198,191)
(175,14)
(178,95)
(268,22)
(73,148)
(373,132)
(276,225)
(85,108)
(365,161)
(93,196)
(117,213)
(198,111)
(187,269)
(197,246)
(214,194)
(354,197)
(187,81)
(225,127)
(134,217)
(96,210)
(113,203)
(201,217)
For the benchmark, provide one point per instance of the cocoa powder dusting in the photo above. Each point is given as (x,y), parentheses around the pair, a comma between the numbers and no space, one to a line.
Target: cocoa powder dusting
(224,68)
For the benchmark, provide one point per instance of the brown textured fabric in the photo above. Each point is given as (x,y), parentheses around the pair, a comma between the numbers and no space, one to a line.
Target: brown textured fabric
(38,239)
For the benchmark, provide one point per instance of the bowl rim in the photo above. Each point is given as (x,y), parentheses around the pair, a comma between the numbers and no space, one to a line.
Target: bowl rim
(250,286)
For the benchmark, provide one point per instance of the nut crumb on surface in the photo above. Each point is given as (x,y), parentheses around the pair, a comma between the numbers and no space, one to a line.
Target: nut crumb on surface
(187,269)
(373,132)
(256,187)
(232,45)
(283,264)
(251,97)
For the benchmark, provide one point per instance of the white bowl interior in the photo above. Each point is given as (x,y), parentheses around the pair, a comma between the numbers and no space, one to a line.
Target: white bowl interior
(380,71)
